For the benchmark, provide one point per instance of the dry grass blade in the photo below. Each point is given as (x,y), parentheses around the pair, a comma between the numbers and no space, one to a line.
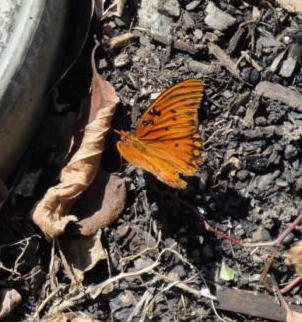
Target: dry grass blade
(51,213)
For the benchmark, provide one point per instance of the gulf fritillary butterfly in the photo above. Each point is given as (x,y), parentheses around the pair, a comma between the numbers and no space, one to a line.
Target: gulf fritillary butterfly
(166,141)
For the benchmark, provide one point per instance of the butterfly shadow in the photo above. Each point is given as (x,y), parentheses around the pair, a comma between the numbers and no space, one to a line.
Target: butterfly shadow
(181,216)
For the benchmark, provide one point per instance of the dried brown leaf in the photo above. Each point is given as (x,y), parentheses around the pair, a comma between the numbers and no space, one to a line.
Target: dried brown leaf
(9,299)
(82,254)
(51,213)
(294,257)
(102,203)
(291,5)
(293,316)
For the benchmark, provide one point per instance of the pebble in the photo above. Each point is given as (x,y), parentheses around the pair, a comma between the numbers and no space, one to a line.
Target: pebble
(198,34)
(228,94)
(242,174)
(170,8)
(290,152)
(251,75)
(149,17)
(261,234)
(121,60)
(188,22)
(192,5)
(103,63)
(218,19)
(298,184)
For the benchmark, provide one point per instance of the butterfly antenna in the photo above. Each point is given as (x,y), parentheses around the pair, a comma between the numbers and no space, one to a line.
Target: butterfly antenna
(118,132)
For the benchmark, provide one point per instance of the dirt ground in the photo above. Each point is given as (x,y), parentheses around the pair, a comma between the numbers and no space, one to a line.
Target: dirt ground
(162,264)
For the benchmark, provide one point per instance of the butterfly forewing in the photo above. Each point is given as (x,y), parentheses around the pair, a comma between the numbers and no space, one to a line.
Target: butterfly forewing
(176,108)
(166,141)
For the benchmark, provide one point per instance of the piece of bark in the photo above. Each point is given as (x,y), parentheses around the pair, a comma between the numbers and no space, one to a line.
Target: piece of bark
(280,93)
(251,303)
(121,40)
(177,44)
(290,63)
(224,59)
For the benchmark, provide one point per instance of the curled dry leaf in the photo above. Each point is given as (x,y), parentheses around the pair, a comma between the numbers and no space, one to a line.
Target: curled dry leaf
(9,299)
(82,254)
(51,213)
(293,316)
(294,257)
(291,5)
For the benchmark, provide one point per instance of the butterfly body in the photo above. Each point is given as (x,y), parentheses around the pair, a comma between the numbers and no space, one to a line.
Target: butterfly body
(166,141)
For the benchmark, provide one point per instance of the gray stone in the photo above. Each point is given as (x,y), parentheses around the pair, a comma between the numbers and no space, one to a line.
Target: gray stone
(150,18)
(169,8)
(218,19)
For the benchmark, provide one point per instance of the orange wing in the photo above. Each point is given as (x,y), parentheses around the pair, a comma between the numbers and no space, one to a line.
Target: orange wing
(166,140)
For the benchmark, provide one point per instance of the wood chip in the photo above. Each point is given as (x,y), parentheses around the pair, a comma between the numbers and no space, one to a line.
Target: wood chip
(177,44)
(121,40)
(224,59)
(249,303)
(203,68)
(280,93)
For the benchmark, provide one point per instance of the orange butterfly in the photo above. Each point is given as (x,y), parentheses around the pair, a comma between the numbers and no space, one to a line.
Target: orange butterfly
(166,141)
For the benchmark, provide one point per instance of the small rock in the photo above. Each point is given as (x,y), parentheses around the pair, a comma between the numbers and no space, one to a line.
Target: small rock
(260,121)
(242,174)
(150,17)
(211,37)
(169,8)
(188,22)
(121,60)
(178,272)
(266,180)
(290,151)
(192,5)
(228,94)
(251,75)
(103,63)
(119,22)
(218,19)
(239,230)
(298,184)
(261,234)
(198,34)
